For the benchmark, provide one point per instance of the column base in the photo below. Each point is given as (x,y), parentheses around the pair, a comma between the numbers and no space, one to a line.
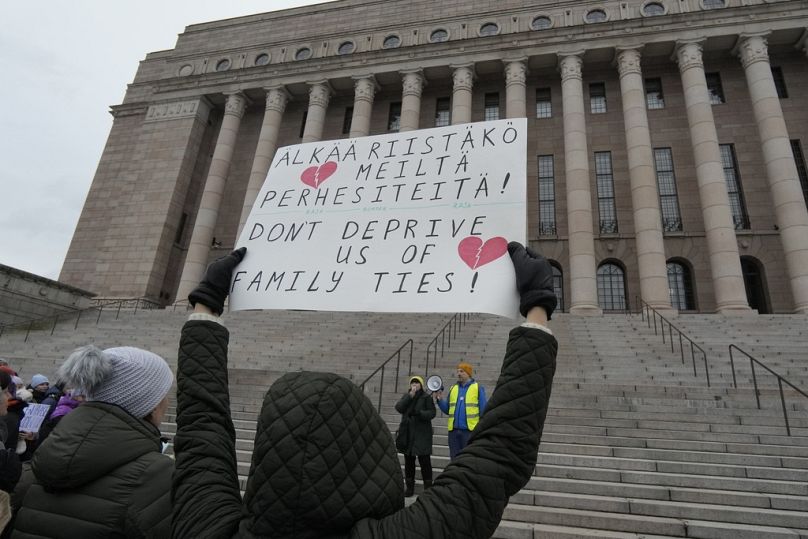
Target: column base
(666,310)
(586,310)
(737,310)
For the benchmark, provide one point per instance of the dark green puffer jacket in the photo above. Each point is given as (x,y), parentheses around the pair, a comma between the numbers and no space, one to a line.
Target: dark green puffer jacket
(100,474)
(324,464)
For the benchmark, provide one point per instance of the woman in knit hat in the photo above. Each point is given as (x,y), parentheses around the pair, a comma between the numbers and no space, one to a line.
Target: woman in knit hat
(414,436)
(101,473)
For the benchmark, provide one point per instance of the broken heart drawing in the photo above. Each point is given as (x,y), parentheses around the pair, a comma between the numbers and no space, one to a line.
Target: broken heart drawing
(315,176)
(475,253)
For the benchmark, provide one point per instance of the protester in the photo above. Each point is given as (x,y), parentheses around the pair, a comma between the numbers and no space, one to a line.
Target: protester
(465,404)
(324,462)
(101,473)
(39,387)
(414,437)
(14,412)
(10,466)
(68,402)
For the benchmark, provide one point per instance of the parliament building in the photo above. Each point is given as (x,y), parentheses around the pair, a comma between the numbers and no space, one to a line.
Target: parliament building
(667,139)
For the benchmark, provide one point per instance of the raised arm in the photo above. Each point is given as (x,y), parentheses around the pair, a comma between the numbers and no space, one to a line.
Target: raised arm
(205,490)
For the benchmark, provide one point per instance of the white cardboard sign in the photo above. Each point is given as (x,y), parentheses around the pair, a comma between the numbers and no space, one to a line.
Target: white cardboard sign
(405,222)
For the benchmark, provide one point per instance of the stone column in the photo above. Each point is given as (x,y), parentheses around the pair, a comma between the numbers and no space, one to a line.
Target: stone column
(583,280)
(515,98)
(781,170)
(463,78)
(644,193)
(364,90)
(413,83)
(197,258)
(277,97)
(319,95)
(725,262)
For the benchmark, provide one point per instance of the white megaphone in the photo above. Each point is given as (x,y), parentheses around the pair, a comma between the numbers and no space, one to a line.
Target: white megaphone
(434,383)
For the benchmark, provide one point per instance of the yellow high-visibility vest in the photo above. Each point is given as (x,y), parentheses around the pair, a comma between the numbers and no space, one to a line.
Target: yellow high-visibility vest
(472,405)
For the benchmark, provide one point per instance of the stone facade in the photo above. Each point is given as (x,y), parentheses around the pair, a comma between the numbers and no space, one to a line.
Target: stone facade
(193,138)
(25,296)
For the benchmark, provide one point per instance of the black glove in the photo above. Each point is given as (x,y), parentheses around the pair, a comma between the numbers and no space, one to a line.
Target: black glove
(215,286)
(534,279)
(10,469)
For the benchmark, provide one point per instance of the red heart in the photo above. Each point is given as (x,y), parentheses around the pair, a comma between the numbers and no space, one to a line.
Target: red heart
(315,176)
(475,253)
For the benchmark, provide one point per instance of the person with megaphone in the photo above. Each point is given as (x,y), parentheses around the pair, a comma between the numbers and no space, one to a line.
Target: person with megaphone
(414,435)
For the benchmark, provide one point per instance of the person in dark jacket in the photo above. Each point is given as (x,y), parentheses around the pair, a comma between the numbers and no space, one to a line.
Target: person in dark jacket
(14,412)
(414,437)
(324,463)
(102,473)
(10,465)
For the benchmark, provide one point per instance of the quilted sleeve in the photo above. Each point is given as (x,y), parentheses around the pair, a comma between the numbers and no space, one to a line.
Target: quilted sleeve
(205,489)
(467,500)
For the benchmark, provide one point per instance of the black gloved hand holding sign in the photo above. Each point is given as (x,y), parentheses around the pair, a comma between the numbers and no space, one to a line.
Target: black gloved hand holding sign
(215,286)
(534,279)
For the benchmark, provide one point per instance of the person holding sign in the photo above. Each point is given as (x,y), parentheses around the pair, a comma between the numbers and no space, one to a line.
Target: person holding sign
(414,437)
(324,462)
(465,404)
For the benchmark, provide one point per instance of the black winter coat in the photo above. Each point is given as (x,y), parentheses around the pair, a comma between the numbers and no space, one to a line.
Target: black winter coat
(324,465)
(415,431)
(99,475)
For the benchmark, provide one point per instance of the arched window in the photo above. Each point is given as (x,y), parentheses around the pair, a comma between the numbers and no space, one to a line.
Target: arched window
(223,65)
(541,23)
(489,29)
(391,42)
(611,287)
(303,54)
(558,285)
(596,15)
(754,279)
(652,9)
(680,285)
(439,35)
(262,59)
(346,47)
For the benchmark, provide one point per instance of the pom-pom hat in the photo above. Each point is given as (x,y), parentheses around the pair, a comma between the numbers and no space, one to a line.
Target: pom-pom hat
(134,379)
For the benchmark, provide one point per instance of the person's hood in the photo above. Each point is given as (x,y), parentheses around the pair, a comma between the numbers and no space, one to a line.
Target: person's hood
(420,380)
(323,460)
(92,441)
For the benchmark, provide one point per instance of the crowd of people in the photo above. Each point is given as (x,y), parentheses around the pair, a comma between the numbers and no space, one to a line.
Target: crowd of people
(324,463)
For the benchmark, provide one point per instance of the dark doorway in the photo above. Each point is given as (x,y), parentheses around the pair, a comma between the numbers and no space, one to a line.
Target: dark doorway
(754,280)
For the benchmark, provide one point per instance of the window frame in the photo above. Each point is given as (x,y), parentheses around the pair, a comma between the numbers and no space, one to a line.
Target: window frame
(606,198)
(548,18)
(548,225)
(435,31)
(715,88)
(737,202)
(489,106)
(654,103)
(544,107)
(779,82)
(595,106)
(347,120)
(603,286)
(681,292)
(802,170)
(670,223)
(439,110)
(394,117)
(387,38)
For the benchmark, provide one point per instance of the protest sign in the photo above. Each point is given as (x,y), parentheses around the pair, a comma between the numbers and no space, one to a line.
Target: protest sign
(404,222)
(33,418)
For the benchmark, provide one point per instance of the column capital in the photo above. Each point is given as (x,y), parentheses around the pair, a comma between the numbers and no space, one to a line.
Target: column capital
(752,48)
(236,103)
(463,76)
(413,82)
(365,87)
(628,60)
(515,71)
(277,97)
(570,64)
(320,93)
(688,54)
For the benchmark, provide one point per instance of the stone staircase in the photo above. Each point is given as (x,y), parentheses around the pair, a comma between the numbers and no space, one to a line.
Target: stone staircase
(635,444)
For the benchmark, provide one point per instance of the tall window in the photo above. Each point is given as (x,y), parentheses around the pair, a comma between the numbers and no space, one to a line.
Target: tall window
(680,285)
(303,123)
(443,112)
(597,97)
(491,107)
(547,217)
(714,88)
(779,82)
(736,202)
(611,287)
(544,105)
(666,182)
(802,172)
(653,94)
(605,182)
(558,285)
(347,120)
(394,118)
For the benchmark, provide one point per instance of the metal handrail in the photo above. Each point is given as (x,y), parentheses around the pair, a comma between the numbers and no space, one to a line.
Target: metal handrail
(780,380)
(29,324)
(397,355)
(450,328)
(649,313)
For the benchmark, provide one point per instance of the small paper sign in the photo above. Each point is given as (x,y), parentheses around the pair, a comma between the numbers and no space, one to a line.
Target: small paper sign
(33,418)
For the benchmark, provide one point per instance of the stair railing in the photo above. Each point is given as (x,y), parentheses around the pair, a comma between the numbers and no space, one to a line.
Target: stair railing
(780,379)
(449,330)
(29,325)
(650,315)
(383,366)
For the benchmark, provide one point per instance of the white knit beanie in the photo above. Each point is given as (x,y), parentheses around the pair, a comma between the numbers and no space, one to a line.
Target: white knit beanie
(134,379)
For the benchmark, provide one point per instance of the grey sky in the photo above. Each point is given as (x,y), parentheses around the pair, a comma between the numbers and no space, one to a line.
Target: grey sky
(63,64)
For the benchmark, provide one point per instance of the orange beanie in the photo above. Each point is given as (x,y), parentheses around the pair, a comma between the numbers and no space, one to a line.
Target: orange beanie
(466,367)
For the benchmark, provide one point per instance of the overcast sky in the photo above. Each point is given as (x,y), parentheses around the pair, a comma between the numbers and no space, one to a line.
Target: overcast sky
(63,63)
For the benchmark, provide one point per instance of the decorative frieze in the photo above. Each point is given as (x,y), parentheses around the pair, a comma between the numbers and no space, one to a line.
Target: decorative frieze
(628,61)
(177,110)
